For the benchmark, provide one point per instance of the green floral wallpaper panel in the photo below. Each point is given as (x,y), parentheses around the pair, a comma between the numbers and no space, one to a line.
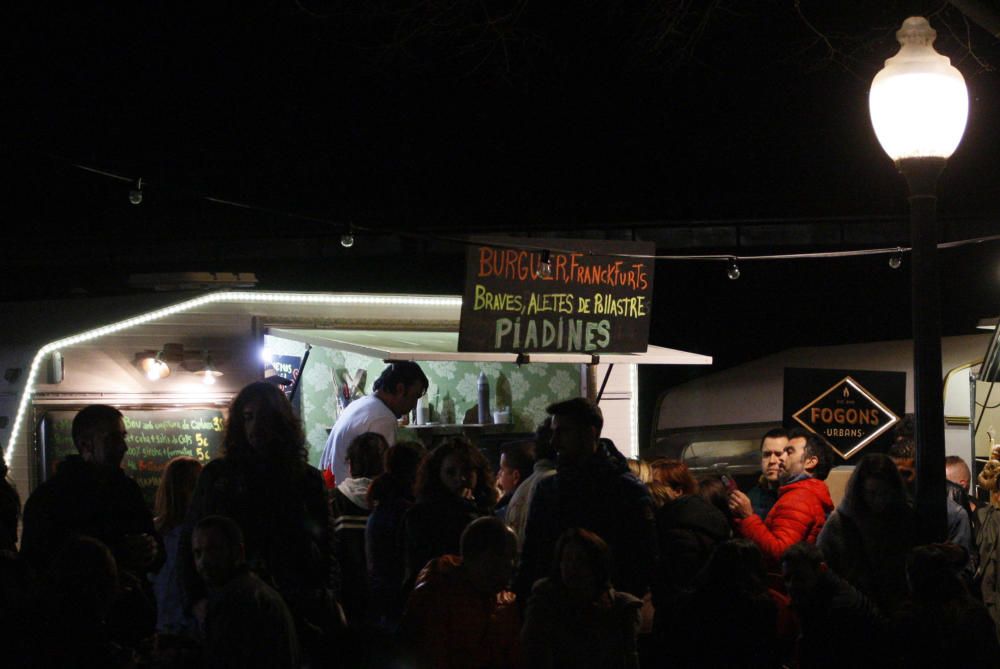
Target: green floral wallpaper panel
(527,390)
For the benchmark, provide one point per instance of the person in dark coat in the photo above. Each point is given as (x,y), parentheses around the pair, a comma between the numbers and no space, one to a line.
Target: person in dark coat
(592,489)
(831,612)
(865,541)
(280,503)
(575,619)
(688,529)
(454,487)
(247,623)
(764,495)
(390,496)
(90,495)
(730,618)
(10,511)
(941,621)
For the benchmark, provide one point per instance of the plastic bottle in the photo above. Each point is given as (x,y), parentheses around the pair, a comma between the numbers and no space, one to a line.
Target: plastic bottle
(447,409)
(483,388)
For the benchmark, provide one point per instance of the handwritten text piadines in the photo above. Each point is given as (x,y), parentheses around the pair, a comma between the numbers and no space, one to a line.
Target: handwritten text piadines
(512,264)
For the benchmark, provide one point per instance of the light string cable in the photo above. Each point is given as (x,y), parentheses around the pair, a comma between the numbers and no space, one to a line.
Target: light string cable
(535,244)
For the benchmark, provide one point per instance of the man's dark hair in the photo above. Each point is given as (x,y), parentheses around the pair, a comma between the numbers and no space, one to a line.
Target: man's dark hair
(579,409)
(404,372)
(544,450)
(817,448)
(776,433)
(93,418)
(519,457)
(904,448)
(804,553)
(228,527)
(365,455)
(486,535)
(799,433)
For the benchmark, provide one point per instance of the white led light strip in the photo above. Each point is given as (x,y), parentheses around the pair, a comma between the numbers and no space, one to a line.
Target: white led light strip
(233,296)
(633,409)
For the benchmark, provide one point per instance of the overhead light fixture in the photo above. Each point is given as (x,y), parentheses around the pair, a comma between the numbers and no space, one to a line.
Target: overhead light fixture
(208,372)
(155,368)
(988,323)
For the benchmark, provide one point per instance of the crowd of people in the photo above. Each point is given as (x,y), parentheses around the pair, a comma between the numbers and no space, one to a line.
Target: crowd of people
(565,554)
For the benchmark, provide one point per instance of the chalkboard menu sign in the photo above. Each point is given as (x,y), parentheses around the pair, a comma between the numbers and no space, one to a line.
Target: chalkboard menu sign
(580,296)
(154,437)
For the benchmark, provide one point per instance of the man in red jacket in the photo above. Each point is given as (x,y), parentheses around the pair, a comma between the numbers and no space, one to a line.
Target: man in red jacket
(803,500)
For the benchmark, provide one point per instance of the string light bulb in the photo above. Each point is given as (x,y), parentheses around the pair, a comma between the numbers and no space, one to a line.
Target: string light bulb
(545,265)
(896,259)
(135,195)
(347,240)
(734,270)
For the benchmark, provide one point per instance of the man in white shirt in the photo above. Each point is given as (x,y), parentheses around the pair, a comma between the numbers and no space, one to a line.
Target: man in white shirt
(544,467)
(395,393)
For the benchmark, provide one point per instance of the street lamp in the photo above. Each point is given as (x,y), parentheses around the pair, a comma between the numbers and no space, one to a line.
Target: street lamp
(919,105)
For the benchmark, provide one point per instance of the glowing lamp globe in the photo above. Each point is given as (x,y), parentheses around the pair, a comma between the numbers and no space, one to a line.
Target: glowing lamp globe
(918,102)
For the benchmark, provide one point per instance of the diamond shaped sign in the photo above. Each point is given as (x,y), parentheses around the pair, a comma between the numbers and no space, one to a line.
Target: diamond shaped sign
(847,417)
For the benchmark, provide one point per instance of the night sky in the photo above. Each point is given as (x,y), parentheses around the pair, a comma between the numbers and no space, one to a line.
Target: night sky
(446,118)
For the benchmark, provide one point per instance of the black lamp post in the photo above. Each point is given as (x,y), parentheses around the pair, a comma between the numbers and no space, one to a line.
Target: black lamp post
(919,105)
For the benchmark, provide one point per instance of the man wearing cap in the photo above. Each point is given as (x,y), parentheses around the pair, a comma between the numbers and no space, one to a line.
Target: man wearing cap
(395,394)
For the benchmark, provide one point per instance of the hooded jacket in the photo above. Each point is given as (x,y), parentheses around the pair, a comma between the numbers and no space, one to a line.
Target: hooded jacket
(687,529)
(798,515)
(450,624)
(349,513)
(869,549)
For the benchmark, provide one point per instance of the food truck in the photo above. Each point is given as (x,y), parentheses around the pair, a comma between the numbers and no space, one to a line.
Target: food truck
(173,361)
(716,421)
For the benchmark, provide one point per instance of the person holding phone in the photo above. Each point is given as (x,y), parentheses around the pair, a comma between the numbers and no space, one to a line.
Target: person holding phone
(803,503)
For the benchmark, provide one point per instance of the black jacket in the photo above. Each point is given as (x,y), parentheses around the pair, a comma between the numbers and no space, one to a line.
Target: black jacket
(78,500)
(432,528)
(688,530)
(600,495)
(286,528)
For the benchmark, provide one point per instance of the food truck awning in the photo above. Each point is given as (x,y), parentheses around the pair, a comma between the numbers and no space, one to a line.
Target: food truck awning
(429,346)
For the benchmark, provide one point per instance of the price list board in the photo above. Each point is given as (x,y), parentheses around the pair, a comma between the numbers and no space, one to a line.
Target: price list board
(154,437)
(581,296)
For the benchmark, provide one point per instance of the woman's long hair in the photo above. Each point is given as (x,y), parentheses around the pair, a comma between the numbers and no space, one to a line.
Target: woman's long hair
(429,485)
(873,466)
(174,493)
(283,441)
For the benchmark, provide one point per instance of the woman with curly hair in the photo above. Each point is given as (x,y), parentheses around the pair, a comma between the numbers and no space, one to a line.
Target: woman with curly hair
(454,487)
(264,483)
